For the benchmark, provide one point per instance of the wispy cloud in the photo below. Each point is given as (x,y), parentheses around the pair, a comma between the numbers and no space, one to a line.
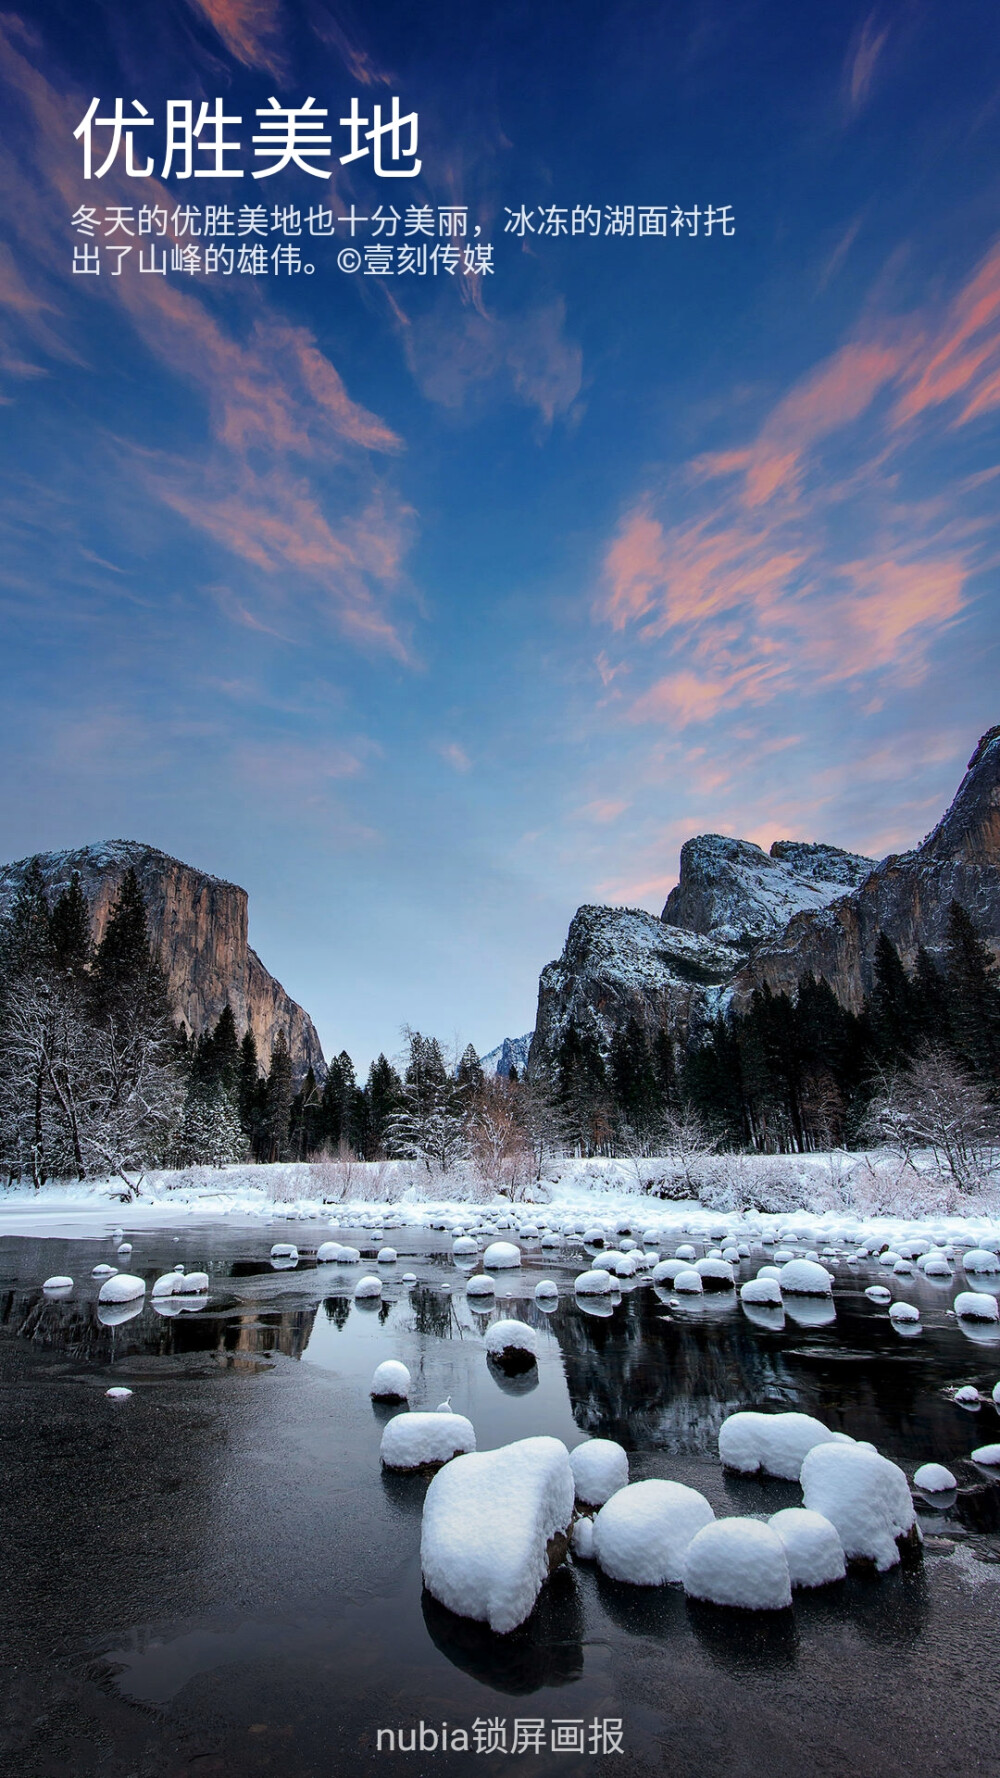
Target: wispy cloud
(781,570)
(250,29)
(455,756)
(862,62)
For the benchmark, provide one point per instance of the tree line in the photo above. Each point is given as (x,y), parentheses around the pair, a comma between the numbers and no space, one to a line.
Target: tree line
(98,1078)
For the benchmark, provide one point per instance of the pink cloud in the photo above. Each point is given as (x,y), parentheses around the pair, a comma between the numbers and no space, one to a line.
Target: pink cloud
(248,28)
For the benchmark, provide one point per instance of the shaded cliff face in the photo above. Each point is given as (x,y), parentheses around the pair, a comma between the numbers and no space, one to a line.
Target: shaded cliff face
(741,917)
(198,928)
(623,961)
(907,896)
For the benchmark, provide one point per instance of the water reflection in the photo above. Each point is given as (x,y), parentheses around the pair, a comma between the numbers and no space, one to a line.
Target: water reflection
(546,1650)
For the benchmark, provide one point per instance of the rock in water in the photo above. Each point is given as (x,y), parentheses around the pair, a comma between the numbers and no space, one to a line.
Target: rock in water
(866,1497)
(738,1562)
(494,1525)
(600,1468)
(812,1545)
(642,1533)
(425,1441)
(772,1443)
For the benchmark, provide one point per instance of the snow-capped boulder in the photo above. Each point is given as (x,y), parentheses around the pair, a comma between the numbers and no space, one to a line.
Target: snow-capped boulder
(284,1250)
(58,1282)
(104,1271)
(546,1290)
(390,1382)
(347,1256)
(582,1539)
(327,1252)
(933,1478)
(988,1454)
(761,1290)
(600,1468)
(667,1269)
(865,1496)
(812,1545)
(642,1533)
(122,1288)
(494,1524)
(715,1274)
(738,1562)
(191,1283)
(168,1284)
(368,1286)
(689,1282)
(877,1293)
(685,1251)
(501,1255)
(805,1277)
(976,1305)
(511,1341)
(464,1246)
(772,1443)
(118,1393)
(594,1283)
(480,1284)
(967,1396)
(386,1256)
(420,1441)
(904,1314)
(980,1259)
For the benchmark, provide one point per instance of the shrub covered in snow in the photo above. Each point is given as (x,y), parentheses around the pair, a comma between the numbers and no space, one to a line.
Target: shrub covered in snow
(600,1468)
(413,1441)
(772,1443)
(492,1523)
(738,1562)
(865,1496)
(812,1545)
(642,1533)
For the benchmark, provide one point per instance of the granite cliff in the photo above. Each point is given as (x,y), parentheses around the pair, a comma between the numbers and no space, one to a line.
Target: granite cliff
(198,928)
(741,917)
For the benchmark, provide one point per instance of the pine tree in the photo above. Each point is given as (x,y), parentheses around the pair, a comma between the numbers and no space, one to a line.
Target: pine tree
(247,1085)
(26,938)
(973,996)
(69,930)
(278,1101)
(891,1005)
(469,1073)
(382,1096)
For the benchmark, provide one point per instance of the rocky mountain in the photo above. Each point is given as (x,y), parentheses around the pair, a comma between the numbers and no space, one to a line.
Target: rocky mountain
(907,896)
(511,1053)
(198,927)
(740,917)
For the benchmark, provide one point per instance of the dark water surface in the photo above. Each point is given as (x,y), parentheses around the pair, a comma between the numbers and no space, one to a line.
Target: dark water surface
(215,1577)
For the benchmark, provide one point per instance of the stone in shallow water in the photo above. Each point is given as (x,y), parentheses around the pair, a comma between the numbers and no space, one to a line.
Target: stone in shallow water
(812,1545)
(642,1533)
(738,1562)
(494,1524)
(866,1497)
(419,1441)
(600,1468)
(772,1443)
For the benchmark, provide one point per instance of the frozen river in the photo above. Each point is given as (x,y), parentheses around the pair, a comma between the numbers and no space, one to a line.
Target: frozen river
(215,1577)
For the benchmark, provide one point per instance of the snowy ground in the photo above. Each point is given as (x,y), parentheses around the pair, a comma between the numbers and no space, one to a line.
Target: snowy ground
(825,1198)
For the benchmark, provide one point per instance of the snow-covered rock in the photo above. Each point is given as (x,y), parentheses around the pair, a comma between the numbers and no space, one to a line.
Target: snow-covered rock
(689,1282)
(506,1339)
(104,1271)
(906,1314)
(328,1251)
(546,1290)
(414,1441)
(967,1396)
(481,1284)
(772,1443)
(761,1290)
(500,1255)
(59,1281)
(464,1246)
(980,1259)
(118,1393)
(582,1540)
(812,1545)
(390,1382)
(738,1562)
(933,1478)
(976,1305)
(642,1533)
(191,1283)
(386,1256)
(600,1468)
(493,1523)
(594,1283)
(368,1286)
(122,1288)
(805,1277)
(877,1293)
(865,1496)
(988,1454)
(284,1250)
(715,1274)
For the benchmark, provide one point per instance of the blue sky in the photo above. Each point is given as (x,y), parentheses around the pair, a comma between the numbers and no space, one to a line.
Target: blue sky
(429,608)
